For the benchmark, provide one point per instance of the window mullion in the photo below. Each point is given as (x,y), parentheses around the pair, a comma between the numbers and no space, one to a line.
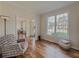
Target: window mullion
(55,24)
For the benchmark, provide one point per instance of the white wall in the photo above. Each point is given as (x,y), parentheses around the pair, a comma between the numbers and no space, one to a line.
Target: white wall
(1,28)
(15,14)
(73,11)
(8,10)
(11,26)
(26,24)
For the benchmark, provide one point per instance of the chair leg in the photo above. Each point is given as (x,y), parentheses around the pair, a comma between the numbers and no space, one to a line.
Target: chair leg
(0,55)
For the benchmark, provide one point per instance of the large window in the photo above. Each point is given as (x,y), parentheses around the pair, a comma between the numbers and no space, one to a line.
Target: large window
(58,25)
(51,25)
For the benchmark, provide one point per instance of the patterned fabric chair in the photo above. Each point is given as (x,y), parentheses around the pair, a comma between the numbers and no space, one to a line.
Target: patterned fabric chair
(9,46)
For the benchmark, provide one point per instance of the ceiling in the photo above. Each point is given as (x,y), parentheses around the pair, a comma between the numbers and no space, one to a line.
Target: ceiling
(31,8)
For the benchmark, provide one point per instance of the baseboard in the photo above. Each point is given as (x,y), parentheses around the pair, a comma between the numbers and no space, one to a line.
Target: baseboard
(49,40)
(77,49)
(55,44)
(74,48)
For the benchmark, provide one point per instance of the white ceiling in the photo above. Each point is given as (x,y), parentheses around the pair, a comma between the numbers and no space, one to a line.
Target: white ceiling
(39,7)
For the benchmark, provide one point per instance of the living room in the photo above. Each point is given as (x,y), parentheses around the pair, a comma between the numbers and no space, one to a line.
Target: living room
(41,27)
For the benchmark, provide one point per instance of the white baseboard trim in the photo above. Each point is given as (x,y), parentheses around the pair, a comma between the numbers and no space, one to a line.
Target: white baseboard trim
(74,48)
(58,43)
(49,40)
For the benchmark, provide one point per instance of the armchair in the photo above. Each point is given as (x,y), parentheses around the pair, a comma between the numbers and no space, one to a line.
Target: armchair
(10,47)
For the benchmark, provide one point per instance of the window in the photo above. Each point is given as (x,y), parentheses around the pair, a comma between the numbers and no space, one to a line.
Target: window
(62,25)
(58,25)
(51,25)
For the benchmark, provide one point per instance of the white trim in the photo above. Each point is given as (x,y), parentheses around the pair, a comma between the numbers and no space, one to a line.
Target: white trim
(76,48)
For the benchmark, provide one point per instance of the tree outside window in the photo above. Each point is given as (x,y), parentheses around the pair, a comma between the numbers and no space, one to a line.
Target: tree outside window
(58,25)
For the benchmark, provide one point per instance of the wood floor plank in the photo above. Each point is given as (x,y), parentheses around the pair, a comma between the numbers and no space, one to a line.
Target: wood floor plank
(45,49)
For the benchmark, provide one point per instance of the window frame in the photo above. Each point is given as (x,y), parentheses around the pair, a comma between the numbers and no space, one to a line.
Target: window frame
(47,25)
(55,29)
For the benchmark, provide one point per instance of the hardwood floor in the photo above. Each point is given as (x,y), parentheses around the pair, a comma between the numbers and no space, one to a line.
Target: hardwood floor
(45,49)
